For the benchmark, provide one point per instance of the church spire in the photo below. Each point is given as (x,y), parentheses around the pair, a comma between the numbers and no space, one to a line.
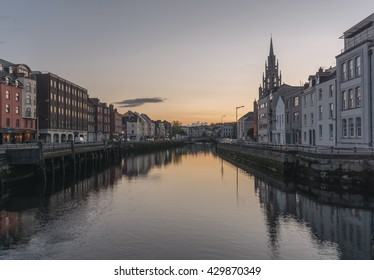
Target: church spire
(271,78)
(271,53)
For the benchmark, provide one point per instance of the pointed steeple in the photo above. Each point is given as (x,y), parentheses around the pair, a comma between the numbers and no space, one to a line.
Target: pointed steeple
(271,78)
(271,53)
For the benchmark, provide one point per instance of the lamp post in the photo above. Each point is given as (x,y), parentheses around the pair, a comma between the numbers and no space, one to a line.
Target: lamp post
(222,124)
(237,127)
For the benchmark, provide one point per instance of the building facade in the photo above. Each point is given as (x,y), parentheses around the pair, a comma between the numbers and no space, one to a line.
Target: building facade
(245,127)
(62,109)
(17,103)
(115,123)
(355,75)
(271,81)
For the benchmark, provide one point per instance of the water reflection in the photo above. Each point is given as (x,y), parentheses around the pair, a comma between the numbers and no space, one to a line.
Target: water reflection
(338,221)
(184,203)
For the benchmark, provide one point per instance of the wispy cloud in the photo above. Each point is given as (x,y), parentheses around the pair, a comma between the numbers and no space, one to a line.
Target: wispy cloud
(139,101)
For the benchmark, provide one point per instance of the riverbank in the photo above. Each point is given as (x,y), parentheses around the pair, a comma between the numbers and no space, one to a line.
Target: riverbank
(26,161)
(349,172)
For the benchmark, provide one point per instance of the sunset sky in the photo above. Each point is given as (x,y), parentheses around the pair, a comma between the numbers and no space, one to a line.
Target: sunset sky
(176,60)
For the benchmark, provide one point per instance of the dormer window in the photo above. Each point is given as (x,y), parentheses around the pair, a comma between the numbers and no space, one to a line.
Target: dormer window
(1,67)
(10,70)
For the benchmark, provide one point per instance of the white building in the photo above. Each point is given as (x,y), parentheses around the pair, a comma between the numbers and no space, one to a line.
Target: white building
(227,130)
(355,75)
(279,131)
(318,109)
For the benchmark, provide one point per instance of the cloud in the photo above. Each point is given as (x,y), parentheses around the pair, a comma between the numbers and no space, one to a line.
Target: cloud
(139,101)
(2,42)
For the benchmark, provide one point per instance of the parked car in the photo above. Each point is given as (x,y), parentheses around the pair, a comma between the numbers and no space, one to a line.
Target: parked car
(79,140)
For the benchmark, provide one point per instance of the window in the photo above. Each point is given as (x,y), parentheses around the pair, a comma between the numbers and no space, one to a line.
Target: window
(7,94)
(320,94)
(320,131)
(28,87)
(350,99)
(344,128)
(320,112)
(26,123)
(17,122)
(304,136)
(17,110)
(358,127)
(331,110)
(351,128)
(344,100)
(28,112)
(331,131)
(311,118)
(331,90)
(305,119)
(304,101)
(287,117)
(358,66)
(358,97)
(7,108)
(312,98)
(287,104)
(28,99)
(350,69)
(296,101)
(344,71)
(17,96)
(296,116)
(8,122)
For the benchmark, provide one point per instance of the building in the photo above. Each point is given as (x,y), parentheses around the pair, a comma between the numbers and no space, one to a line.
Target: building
(227,130)
(354,82)
(271,81)
(279,131)
(115,123)
(91,130)
(106,122)
(149,127)
(101,115)
(293,114)
(245,127)
(135,126)
(160,130)
(318,109)
(17,103)
(62,109)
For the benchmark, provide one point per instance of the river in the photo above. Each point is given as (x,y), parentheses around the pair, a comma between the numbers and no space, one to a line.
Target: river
(185,203)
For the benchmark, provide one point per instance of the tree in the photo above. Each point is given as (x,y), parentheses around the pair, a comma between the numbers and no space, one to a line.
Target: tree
(176,128)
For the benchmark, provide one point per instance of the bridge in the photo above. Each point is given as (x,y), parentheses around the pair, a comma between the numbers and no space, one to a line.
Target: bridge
(202,139)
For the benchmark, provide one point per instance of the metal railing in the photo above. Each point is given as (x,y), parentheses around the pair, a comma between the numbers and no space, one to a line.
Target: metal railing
(323,150)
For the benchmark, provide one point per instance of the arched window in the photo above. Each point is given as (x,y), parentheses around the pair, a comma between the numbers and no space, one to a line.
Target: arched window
(17,122)
(17,110)
(28,99)
(17,96)
(7,94)
(7,108)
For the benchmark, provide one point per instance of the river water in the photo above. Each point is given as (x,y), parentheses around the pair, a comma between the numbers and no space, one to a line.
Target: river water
(185,203)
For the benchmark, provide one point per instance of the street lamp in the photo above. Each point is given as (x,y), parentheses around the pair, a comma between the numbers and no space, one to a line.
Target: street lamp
(222,124)
(237,127)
